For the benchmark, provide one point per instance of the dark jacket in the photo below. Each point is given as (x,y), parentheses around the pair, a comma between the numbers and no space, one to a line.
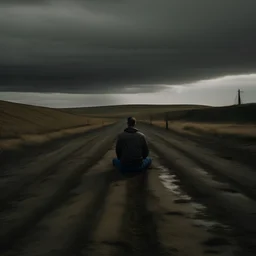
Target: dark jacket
(131,147)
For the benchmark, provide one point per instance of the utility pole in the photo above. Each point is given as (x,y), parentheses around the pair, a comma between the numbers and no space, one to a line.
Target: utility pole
(239,96)
(239,99)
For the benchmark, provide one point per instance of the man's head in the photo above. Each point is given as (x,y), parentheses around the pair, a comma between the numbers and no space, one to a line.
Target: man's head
(131,121)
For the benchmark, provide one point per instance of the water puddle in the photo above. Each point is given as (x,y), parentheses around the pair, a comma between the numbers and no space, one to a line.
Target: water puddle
(198,212)
(171,182)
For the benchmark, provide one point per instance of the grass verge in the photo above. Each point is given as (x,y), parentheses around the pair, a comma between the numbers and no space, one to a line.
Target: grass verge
(228,130)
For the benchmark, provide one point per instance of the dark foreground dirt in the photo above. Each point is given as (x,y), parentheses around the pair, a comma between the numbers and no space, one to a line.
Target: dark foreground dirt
(71,201)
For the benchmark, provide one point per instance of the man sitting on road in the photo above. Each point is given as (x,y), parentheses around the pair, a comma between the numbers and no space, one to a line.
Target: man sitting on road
(132,149)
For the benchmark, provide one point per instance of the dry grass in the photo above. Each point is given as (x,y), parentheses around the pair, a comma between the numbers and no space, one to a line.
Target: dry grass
(25,125)
(36,139)
(19,119)
(243,131)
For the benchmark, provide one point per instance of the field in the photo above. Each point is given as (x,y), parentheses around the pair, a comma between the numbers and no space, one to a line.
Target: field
(232,122)
(66,198)
(23,124)
(228,130)
(239,114)
(123,111)
(30,125)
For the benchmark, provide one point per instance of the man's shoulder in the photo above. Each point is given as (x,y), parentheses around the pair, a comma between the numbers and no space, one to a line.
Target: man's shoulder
(141,134)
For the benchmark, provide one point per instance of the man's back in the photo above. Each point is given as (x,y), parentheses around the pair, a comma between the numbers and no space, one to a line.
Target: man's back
(131,147)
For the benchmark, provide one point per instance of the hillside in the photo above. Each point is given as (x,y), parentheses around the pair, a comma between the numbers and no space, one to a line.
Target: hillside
(19,119)
(245,113)
(123,111)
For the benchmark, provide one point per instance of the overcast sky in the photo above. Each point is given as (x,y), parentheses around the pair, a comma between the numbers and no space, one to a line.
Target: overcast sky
(96,52)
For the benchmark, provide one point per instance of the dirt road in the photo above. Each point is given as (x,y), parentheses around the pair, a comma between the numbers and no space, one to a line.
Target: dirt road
(69,200)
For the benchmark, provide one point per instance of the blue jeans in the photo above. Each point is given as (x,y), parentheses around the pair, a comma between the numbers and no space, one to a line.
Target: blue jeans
(145,164)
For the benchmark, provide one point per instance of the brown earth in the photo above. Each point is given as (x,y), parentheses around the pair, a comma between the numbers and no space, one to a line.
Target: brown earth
(25,125)
(69,200)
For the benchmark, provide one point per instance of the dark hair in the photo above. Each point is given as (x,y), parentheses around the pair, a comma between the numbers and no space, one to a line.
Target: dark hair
(131,121)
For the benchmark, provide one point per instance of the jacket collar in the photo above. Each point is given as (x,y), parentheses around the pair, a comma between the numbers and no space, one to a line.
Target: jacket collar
(130,130)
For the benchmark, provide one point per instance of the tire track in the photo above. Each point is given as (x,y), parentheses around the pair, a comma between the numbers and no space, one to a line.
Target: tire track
(13,184)
(97,211)
(126,226)
(44,196)
(19,176)
(242,177)
(107,237)
(225,148)
(236,209)
(60,231)
(177,223)
(139,224)
(110,214)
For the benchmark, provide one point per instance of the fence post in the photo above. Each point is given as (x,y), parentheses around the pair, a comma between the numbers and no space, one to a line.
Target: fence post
(166,121)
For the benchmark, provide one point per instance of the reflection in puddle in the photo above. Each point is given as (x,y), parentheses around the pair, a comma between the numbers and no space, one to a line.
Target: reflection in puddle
(170,181)
(198,211)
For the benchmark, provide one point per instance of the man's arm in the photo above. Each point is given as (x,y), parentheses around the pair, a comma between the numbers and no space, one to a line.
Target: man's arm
(118,148)
(145,149)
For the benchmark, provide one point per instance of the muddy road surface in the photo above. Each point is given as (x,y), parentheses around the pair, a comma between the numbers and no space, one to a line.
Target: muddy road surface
(70,200)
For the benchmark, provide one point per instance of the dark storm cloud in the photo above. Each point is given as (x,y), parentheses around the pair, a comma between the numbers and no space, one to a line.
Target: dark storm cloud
(117,46)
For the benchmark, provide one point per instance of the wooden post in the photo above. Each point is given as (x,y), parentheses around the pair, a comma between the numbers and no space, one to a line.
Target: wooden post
(239,97)
(166,121)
